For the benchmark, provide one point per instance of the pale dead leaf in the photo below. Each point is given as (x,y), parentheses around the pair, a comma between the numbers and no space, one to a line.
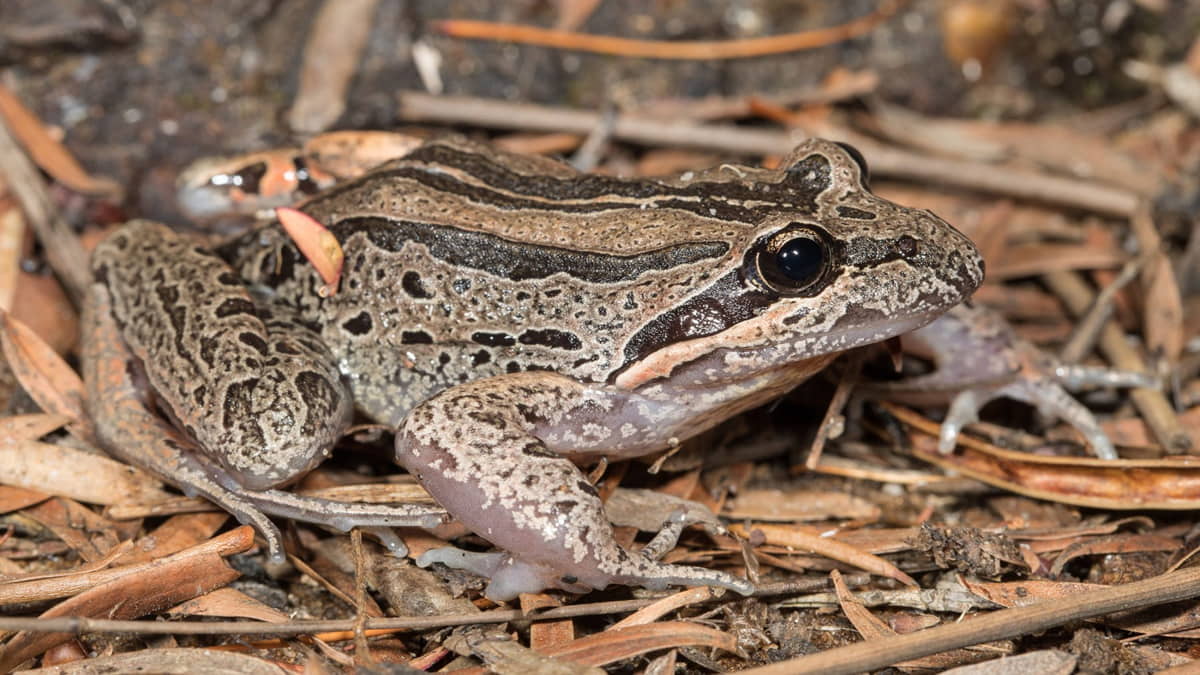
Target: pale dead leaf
(227,602)
(12,239)
(29,427)
(80,475)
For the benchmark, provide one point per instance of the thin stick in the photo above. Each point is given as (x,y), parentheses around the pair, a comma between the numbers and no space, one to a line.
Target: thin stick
(80,625)
(999,625)
(661,49)
(1087,331)
(730,139)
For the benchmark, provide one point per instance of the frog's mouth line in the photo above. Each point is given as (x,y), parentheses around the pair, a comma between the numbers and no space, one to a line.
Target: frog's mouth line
(743,362)
(896,327)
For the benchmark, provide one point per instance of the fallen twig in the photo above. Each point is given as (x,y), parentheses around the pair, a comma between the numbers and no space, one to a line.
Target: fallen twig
(1151,403)
(999,625)
(62,248)
(662,49)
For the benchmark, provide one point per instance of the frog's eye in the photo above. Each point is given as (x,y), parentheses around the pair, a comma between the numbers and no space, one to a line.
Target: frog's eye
(859,160)
(792,261)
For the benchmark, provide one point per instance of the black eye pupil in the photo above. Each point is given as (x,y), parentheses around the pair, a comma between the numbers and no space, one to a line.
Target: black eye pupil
(800,260)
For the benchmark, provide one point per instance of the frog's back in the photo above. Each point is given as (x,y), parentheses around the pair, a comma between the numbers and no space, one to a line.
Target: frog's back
(464,262)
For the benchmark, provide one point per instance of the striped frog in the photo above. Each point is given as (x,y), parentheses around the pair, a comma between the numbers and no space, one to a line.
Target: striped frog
(514,319)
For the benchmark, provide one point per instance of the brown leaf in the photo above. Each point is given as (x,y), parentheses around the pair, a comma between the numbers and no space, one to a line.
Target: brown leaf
(178,533)
(12,239)
(129,597)
(48,153)
(44,375)
(867,624)
(794,538)
(89,534)
(47,588)
(1168,483)
(799,505)
(544,635)
(15,498)
(67,472)
(654,612)
(1029,592)
(42,305)
(170,661)
(228,602)
(612,646)
(29,427)
(1163,311)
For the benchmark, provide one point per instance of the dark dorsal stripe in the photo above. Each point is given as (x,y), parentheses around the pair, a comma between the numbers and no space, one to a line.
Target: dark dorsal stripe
(586,193)
(522,261)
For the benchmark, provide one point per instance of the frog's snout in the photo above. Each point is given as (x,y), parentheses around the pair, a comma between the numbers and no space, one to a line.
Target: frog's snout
(961,265)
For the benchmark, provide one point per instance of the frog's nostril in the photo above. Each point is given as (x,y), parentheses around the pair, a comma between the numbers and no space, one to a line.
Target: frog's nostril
(908,246)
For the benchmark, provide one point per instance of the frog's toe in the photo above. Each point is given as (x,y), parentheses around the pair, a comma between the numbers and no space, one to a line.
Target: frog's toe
(1043,393)
(1055,402)
(637,570)
(507,576)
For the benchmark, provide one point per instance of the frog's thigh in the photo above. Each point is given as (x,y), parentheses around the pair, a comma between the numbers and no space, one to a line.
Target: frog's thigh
(261,394)
(479,449)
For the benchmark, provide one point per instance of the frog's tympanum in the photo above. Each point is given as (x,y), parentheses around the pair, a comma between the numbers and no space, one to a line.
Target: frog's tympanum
(514,318)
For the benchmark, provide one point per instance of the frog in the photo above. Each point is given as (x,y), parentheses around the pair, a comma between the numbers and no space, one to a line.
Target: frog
(514,320)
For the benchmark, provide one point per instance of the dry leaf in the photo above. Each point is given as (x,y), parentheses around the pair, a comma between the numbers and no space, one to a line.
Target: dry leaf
(129,597)
(87,477)
(45,376)
(793,538)
(228,602)
(48,153)
(317,244)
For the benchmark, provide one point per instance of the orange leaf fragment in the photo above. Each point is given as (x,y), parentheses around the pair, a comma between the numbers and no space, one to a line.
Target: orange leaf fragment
(48,153)
(317,244)
(616,645)
(52,384)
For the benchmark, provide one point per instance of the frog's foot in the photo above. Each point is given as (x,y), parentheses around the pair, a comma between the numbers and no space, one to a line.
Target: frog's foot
(501,476)
(509,576)
(1043,382)
(979,357)
(341,516)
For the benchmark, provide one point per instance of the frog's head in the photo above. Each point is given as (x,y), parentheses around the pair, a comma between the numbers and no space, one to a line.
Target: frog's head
(833,268)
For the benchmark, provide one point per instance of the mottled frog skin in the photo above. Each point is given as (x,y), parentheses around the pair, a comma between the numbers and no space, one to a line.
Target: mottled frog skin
(514,317)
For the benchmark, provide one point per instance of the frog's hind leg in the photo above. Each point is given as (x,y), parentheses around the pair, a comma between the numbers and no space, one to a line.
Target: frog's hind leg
(130,431)
(486,450)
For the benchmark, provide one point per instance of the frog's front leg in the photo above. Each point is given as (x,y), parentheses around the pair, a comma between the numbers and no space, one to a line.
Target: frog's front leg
(980,358)
(495,452)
